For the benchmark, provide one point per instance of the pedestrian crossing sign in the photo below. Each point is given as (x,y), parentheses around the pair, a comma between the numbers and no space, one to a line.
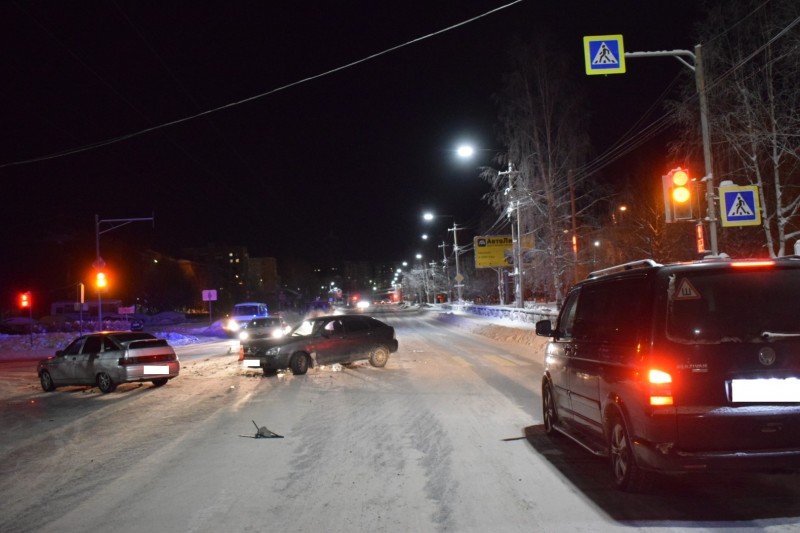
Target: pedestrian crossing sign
(739,206)
(604,54)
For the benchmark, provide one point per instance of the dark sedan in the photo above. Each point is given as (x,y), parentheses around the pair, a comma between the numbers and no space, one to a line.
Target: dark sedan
(323,340)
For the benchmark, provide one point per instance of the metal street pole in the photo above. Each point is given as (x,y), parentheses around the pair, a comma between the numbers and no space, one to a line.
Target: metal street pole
(99,264)
(459,277)
(443,246)
(699,80)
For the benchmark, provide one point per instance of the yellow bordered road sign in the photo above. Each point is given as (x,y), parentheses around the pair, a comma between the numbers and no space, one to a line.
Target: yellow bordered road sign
(739,206)
(604,54)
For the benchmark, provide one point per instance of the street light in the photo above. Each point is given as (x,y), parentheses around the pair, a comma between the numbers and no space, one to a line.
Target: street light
(459,278)
(467,151)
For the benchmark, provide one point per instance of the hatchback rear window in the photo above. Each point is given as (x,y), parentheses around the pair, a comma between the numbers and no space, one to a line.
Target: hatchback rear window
(733,306)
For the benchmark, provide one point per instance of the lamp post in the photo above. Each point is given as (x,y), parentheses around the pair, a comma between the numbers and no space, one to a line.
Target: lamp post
(99,264)
(467,151)
(454,229)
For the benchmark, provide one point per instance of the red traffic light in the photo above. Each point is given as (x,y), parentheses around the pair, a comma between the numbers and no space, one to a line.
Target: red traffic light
(101,280)
(25,300)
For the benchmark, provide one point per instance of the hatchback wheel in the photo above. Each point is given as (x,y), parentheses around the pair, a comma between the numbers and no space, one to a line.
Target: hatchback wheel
(105,383)
(299,364)
(549,413)
(379,357)
(160,381)
(627,475)
(47,381)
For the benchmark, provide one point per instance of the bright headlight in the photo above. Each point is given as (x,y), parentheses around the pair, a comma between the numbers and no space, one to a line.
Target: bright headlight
(243,335)
(233,325)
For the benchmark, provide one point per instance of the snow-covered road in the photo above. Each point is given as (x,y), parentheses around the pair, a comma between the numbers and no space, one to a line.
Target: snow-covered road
(447,437)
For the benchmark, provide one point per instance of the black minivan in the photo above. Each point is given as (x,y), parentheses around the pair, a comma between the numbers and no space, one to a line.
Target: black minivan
(687,367)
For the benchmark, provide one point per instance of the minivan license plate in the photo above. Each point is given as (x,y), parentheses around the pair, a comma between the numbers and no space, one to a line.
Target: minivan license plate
(765,390)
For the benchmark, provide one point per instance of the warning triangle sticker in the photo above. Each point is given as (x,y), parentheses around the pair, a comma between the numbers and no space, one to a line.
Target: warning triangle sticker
(604,56)
(686,291)
(740,208)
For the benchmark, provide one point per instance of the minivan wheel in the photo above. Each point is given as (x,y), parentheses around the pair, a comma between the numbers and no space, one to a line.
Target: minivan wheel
(299,364)
(47,381)
(549,414)
(105,383)
(379,357)
(627,475)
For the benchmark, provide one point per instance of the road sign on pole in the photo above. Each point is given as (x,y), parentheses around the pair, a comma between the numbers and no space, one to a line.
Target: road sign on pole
(604,54)
(739,206)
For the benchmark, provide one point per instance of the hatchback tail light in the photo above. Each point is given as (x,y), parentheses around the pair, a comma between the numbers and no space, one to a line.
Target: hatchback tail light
(147,359)
(660,388)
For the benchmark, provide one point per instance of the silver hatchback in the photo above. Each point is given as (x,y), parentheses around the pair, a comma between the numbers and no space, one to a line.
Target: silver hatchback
(109,358)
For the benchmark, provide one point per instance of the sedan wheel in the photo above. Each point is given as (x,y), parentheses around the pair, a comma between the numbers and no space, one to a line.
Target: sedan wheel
(379,357)
(299,364)
(160,381)
(105,383)
(47,381)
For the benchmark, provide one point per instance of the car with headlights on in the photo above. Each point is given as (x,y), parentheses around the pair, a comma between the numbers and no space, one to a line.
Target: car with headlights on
(264,327)
(108,358)
(323,340)
(241,313)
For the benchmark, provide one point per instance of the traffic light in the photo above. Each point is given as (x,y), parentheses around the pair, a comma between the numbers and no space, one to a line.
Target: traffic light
(25,300)
(677,189)
(101,280)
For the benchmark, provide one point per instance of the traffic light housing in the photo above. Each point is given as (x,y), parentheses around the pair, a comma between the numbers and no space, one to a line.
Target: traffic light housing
(25,300)
(677,188)
(101,281)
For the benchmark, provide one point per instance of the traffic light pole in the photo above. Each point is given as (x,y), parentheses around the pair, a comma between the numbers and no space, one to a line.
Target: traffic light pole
(699,79)
(99,264)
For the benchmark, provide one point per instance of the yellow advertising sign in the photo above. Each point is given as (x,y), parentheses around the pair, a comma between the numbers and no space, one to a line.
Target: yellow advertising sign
(493,251)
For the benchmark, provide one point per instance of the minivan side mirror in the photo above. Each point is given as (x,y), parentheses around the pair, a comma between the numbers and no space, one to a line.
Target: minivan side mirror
(544,328)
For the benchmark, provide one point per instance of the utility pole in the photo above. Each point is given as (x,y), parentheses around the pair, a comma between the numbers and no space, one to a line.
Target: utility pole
(459,277)
(516,239)
(443,246)
(699,80)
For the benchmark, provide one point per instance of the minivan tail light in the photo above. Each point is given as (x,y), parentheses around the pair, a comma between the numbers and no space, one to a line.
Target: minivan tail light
(660,383)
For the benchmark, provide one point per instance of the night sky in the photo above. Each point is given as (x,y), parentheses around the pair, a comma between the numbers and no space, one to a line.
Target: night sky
(293,162)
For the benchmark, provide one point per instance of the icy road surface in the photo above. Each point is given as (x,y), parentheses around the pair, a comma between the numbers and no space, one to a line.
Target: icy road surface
(446,438)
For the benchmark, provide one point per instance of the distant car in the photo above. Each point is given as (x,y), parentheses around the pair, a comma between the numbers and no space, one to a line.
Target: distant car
(265,327)
(242,313)
(323,340)
(109,358)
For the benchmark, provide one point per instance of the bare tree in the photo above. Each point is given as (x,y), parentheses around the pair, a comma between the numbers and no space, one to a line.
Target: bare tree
(542,125)
(752,58)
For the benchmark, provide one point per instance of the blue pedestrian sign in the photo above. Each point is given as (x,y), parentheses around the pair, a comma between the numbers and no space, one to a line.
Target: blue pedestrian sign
(739,206)
(604,54)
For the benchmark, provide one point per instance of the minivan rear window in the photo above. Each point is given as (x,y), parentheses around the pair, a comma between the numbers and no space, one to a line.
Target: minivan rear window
(733,306)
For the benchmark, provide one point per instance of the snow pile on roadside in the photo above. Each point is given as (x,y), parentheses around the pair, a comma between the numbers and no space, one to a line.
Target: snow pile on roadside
(48,343)
(499,330)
